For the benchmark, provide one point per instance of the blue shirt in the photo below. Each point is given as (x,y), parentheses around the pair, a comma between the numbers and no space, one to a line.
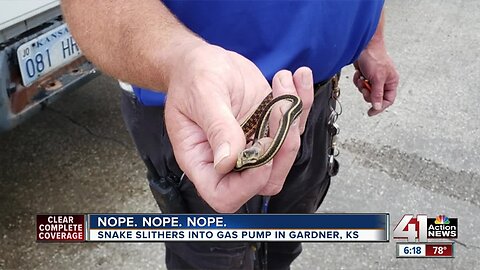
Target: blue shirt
(324,35)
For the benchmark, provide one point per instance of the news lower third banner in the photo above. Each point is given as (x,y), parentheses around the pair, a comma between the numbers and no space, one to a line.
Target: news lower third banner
(231,227)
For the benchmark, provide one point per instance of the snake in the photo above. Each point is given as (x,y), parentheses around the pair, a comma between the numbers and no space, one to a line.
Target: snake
(256,125)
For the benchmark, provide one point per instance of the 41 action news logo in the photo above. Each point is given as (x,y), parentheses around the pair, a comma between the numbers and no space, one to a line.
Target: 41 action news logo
(422,228)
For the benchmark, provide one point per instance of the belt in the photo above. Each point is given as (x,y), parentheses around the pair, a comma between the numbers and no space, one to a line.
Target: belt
(333,79)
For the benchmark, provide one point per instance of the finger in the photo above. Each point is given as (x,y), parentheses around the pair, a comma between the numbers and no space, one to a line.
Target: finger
(391,85)
(376,94)
(360,83)
(227,193)
(282,84)
(373,112)
(356,80)
(222,130)
(283,160)
(389,98)
(385,105)
(389,94)
(303,80)
(223,192)
(366,95)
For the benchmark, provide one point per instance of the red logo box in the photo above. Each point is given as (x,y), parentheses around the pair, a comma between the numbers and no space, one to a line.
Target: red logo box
(61,228)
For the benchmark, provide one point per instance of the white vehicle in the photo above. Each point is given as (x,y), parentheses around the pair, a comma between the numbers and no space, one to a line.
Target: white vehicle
(39,59)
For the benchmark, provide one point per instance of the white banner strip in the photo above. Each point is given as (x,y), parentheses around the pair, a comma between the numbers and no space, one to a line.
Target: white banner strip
(411,250)
(303,235)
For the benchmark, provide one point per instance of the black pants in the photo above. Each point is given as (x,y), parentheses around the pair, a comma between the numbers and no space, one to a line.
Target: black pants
(303,191)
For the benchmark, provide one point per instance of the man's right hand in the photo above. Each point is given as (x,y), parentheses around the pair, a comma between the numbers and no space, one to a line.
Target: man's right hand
(210,91)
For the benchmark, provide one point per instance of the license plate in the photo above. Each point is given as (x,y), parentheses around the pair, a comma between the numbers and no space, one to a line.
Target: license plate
(46,53)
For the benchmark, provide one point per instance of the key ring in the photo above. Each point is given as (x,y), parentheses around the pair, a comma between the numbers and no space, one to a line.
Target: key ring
(332,118)
(333,151)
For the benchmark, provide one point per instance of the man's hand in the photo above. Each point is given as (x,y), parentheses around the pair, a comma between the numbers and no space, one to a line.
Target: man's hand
(210,91)
(376,66)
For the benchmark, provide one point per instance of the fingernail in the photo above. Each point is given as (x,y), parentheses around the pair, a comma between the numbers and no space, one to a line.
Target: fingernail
(286,81)
(377,106)
(306,79)
(222,152)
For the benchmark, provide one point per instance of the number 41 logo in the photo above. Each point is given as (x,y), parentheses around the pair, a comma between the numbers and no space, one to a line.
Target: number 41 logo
(411,228)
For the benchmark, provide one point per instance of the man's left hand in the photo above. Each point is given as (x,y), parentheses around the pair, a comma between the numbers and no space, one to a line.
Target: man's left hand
(376,66)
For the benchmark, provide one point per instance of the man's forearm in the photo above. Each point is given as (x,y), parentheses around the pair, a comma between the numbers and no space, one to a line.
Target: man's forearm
(377,38)
(133,41)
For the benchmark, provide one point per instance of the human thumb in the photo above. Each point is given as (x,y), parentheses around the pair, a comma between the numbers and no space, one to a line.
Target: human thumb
(224,135)
(376,94)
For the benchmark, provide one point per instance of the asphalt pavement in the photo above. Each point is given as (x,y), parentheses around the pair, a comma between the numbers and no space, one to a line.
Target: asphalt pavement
(421,156)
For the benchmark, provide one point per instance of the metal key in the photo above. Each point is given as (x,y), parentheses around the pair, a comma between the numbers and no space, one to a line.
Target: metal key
(333,165)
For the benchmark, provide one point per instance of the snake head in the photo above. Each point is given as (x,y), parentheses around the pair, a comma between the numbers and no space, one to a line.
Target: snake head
(249,155)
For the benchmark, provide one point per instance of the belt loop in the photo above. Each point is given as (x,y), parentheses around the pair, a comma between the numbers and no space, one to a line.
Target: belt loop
(335,81)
